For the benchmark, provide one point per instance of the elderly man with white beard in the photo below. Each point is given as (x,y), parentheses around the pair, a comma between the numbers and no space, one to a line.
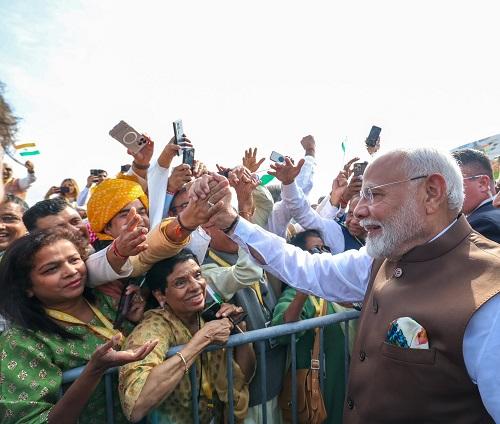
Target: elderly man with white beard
(429,332)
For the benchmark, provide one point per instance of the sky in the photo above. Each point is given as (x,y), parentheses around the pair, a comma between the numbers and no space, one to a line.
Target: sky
(246,74)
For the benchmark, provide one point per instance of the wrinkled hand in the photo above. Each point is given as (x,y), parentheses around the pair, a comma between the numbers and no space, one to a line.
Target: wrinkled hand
(181,175)
(217,331)
(287,172)
(199,169)
(353,188)
(215,187)
(143,156)
(132,238)
(250,160)
(171,150)
(244,184)
(339,186)
(29,166)
(105,356)
(137,304)
(347,166)
(309,144)
(200,211)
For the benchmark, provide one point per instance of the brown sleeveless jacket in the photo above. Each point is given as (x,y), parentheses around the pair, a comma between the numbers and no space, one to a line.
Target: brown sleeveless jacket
(440,285)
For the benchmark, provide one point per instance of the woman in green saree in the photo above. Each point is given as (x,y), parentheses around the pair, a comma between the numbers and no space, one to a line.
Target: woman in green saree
(56,324)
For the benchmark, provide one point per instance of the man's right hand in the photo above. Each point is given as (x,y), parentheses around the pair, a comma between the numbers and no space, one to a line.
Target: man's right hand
(181,175)
(286,172)
(91,179)
(132,238)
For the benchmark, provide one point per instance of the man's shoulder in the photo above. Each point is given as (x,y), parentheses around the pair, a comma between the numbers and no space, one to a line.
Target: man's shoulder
(486,211)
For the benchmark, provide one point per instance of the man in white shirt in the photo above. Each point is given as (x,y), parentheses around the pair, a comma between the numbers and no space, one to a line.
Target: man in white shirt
(409,205)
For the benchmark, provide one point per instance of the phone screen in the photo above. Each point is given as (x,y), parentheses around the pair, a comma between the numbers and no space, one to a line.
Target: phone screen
(359,168)
(188,157)
(373,136)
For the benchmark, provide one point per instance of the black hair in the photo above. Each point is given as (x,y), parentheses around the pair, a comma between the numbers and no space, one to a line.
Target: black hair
(10,198)
(475,159)
(275,191)
(42,209)
(156,278)
(15,268)
(300,239)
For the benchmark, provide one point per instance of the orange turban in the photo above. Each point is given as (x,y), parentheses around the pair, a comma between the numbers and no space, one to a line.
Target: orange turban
(109,198)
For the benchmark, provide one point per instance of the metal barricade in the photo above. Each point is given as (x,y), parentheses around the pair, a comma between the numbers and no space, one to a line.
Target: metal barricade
(258,337)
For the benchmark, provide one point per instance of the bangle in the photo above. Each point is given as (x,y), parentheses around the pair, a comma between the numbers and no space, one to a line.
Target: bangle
(233,224)
(114,249)
(186,369)
(139,166)
(183,226)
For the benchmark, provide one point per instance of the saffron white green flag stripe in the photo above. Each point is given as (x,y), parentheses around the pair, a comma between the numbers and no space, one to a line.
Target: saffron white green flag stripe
(27,149)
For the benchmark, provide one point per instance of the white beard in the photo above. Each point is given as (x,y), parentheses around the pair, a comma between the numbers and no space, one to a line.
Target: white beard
(402,227)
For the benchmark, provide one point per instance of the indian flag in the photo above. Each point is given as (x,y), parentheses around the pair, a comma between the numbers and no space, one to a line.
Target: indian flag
(27,149)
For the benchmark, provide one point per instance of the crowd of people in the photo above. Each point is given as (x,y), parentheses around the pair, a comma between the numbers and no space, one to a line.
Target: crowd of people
(157,256)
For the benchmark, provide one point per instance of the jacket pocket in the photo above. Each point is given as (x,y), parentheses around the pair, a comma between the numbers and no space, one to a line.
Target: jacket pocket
(411,356)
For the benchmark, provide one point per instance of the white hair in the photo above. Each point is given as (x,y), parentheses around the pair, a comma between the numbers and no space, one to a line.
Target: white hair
(428,160)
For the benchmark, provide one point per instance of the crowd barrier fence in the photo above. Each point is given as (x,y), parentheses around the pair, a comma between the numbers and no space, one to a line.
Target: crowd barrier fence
(259,337)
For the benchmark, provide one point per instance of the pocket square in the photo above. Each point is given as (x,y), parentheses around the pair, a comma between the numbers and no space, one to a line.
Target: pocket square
(407,333)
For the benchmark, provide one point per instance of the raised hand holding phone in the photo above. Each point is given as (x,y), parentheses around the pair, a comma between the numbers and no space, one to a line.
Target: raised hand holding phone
(130,138)
(286,172)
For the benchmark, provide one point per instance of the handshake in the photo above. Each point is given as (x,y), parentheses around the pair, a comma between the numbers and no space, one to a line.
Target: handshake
(211,195)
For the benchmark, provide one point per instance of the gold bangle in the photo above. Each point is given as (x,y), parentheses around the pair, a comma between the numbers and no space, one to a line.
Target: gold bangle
(186,369)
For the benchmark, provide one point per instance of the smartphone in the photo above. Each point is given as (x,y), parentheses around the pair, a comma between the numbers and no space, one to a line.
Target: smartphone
(130,138)
(373,137)
(63,190)
(94,172)
(123,308)
(208,314)
(277,157)
(359,168)
(178,132)
(124,168)
(188,157)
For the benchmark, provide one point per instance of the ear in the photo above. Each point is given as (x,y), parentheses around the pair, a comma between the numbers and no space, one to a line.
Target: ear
(435,193)
(485,184)
(160,297)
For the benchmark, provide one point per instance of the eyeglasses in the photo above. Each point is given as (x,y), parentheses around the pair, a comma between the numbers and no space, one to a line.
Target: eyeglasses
(178,209)
(320,249)
(473,177)
(367,192)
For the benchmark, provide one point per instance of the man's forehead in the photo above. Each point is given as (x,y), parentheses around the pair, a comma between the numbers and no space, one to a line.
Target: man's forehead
(60,218)
(384,169)
(11,207)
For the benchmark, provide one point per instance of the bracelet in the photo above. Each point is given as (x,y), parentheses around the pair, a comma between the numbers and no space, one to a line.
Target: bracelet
(114,249)
(139,166)
(233,224)
(186,369)
(183,226)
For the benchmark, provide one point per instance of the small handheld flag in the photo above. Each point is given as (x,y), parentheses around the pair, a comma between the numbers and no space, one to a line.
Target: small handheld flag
(27,149)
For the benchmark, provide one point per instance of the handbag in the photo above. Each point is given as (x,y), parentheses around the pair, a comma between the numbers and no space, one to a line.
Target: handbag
(310,405)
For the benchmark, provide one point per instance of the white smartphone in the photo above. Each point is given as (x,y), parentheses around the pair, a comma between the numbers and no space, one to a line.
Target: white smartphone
(277,157)
(130,138)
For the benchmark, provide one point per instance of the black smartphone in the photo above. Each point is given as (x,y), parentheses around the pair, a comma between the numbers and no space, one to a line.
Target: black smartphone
(208,314)
(123,308)
(94,172)
(63,190)
(373,137)
(188,157)
(178,132)
(359,168)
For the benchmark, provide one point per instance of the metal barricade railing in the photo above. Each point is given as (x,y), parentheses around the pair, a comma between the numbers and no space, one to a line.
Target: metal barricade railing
(256,336)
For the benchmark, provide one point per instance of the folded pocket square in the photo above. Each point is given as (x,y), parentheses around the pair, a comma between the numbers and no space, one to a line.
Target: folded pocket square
(407,333)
